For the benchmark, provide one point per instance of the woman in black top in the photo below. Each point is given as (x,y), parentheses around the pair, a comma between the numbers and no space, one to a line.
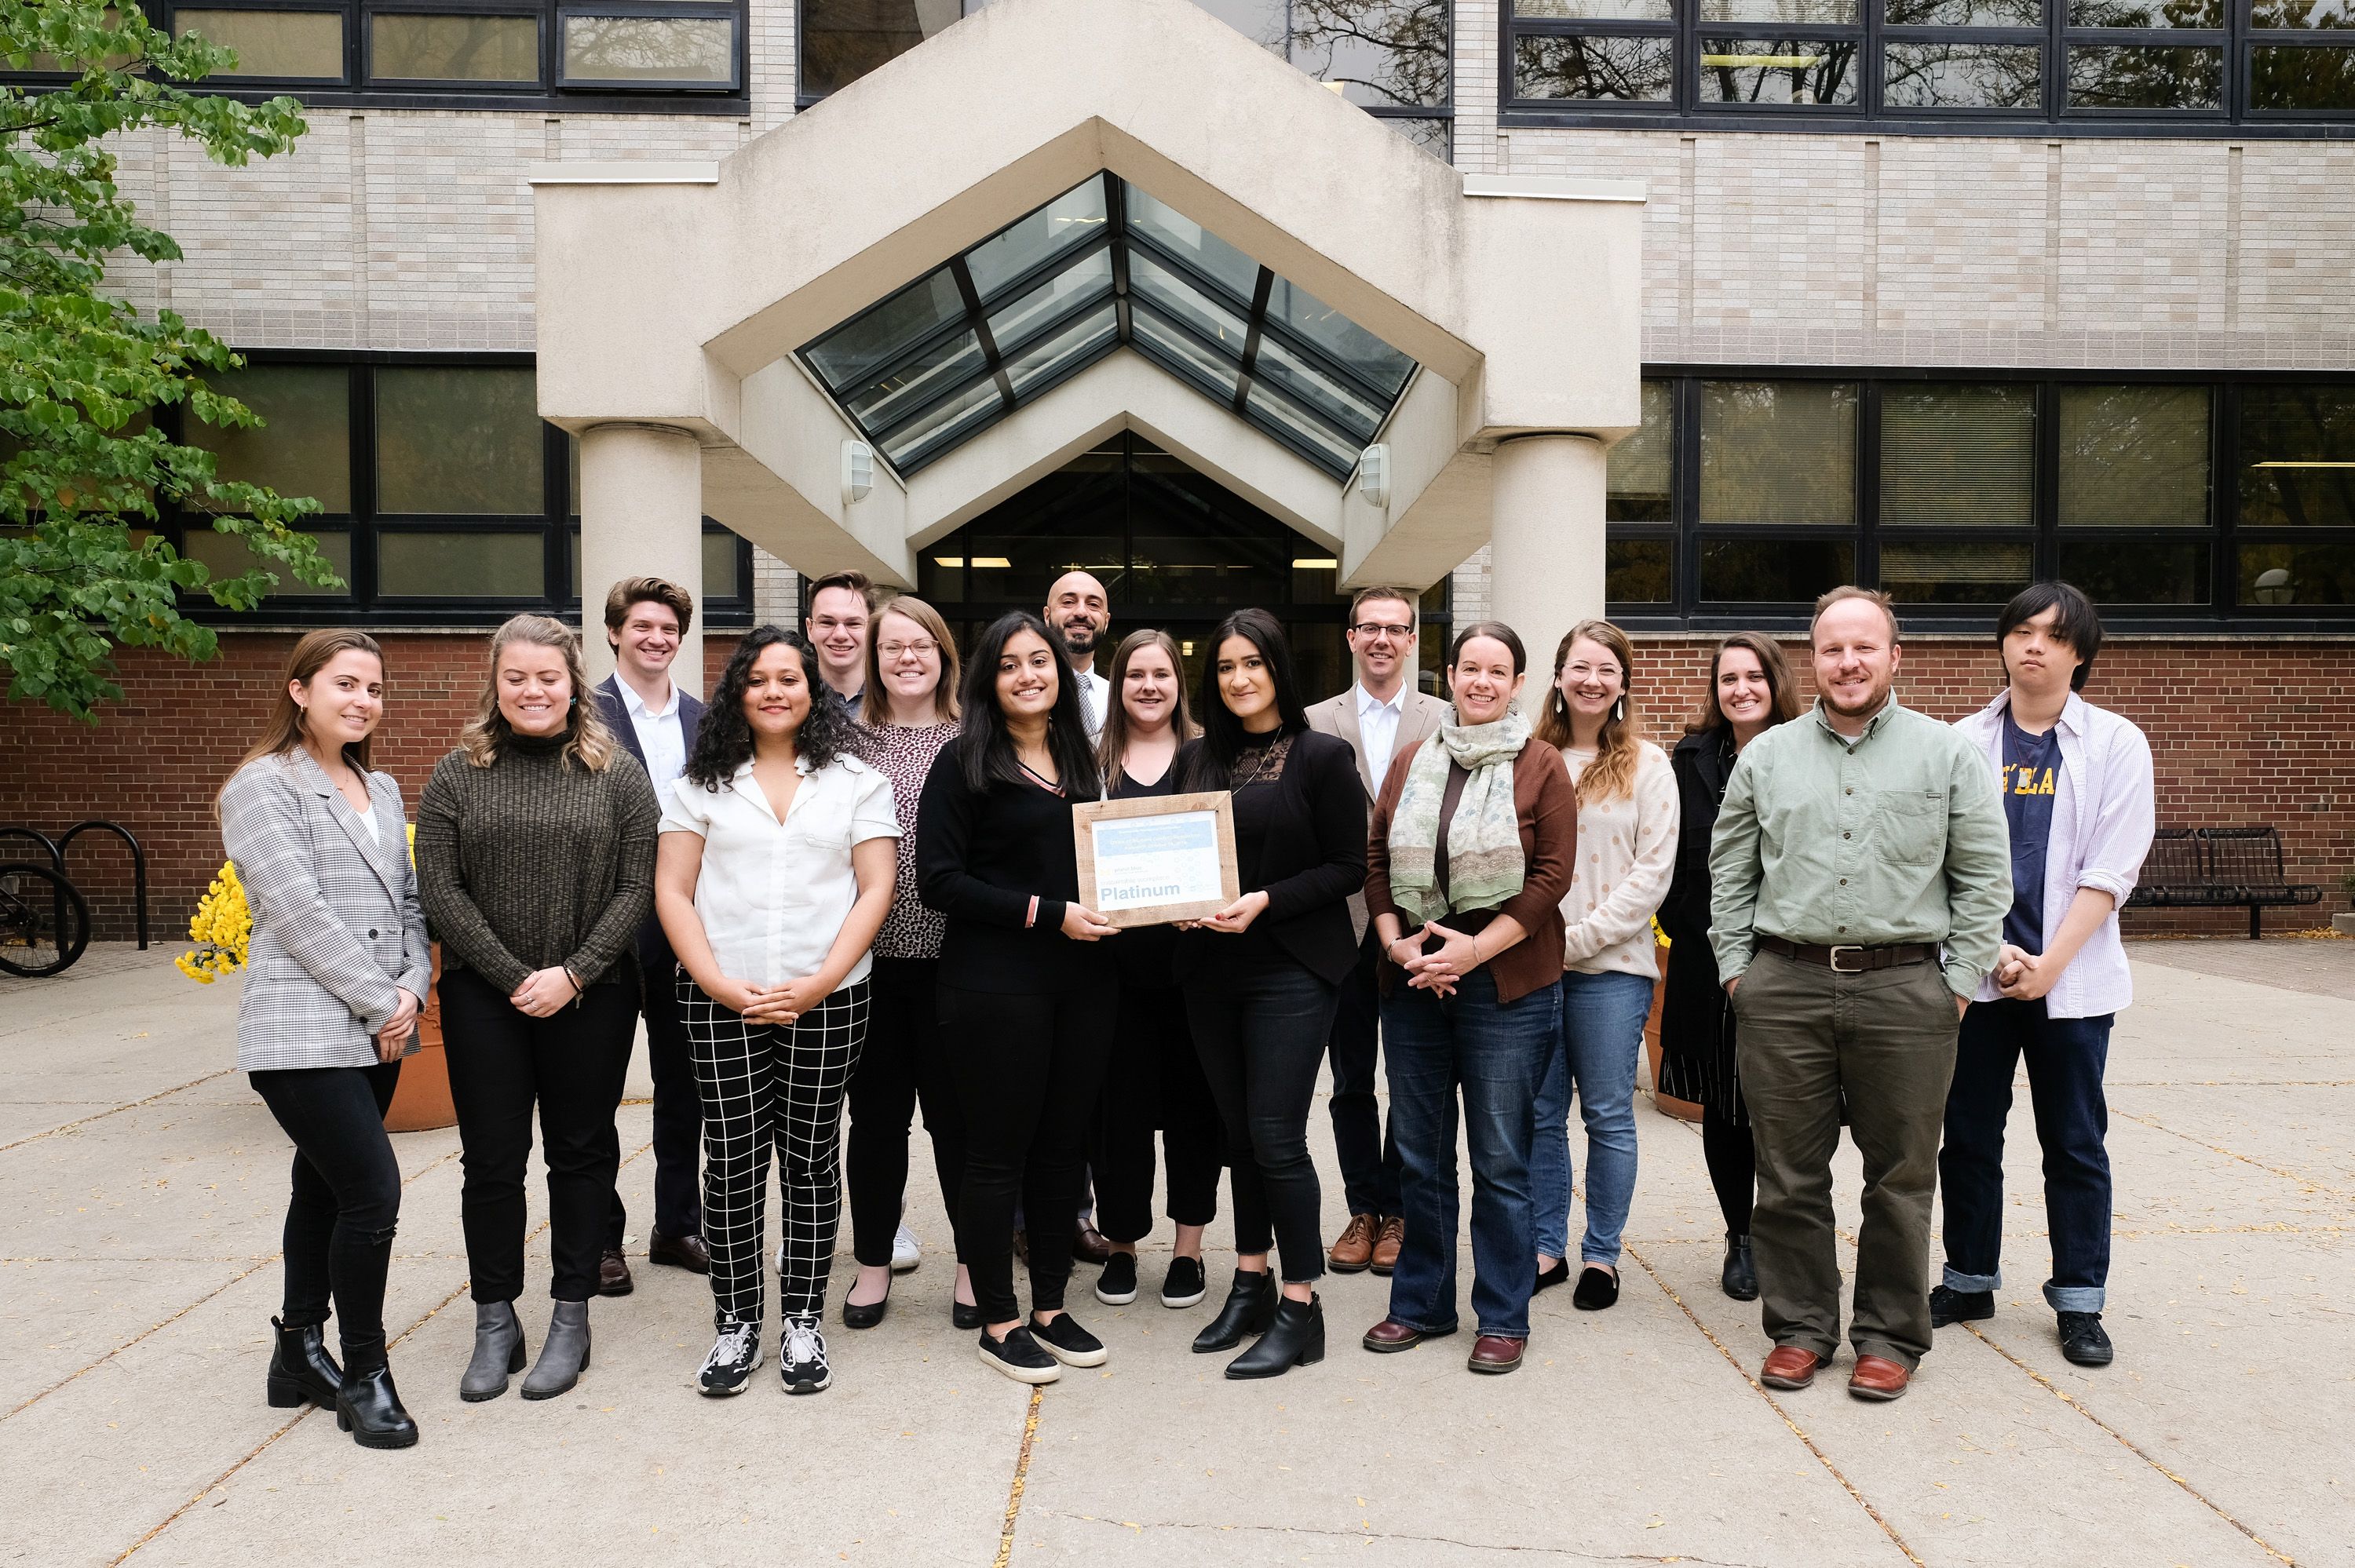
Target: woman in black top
(1025,996)
(1154,1078)
(1749,693)
(1264,974)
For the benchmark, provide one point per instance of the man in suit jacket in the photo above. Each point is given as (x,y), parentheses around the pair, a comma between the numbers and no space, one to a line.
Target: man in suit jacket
(1382,717)
(645,619)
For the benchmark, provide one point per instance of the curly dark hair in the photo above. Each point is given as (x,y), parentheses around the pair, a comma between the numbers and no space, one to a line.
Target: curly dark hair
(723,743)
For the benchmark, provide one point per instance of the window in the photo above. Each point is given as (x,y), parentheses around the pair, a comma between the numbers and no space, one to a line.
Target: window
(2294,531)
(1923,63)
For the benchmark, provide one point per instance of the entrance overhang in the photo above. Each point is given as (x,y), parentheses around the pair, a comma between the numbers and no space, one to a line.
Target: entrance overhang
(676,295)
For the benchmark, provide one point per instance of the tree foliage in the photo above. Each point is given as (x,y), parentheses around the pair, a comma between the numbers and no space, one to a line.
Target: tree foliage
(90,384)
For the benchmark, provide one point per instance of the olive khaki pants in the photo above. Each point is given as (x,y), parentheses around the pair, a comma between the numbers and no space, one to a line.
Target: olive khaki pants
(1881,1043)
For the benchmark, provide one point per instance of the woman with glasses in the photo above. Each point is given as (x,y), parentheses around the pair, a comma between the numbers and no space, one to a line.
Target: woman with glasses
(908,714)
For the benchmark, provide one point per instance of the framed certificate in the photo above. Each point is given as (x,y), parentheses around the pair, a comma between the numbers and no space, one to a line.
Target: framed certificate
(1156,859)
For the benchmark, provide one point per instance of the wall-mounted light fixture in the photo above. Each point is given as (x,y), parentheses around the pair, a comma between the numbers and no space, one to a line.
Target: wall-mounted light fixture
(1374,476)
(857,470)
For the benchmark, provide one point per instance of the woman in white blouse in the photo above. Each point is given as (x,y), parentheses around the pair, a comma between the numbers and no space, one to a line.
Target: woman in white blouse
(1627,821)
(774,872)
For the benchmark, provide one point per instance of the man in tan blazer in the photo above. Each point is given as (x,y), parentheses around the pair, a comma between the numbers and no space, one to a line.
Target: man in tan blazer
(1382,717)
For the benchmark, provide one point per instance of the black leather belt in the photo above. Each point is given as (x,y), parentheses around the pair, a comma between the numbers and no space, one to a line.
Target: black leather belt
(1846,959)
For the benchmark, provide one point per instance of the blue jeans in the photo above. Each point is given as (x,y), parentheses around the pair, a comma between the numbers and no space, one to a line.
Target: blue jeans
(1491,1051)
(1594,1055)
(2065,1060)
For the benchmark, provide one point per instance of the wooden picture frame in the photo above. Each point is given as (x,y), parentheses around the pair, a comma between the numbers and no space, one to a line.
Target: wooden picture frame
(1187,883)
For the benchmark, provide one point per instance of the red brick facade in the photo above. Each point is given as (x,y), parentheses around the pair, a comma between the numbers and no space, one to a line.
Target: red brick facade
(2243,732)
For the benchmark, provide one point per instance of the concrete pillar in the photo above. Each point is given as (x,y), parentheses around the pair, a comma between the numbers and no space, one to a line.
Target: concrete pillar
(641,515)
(1545,543)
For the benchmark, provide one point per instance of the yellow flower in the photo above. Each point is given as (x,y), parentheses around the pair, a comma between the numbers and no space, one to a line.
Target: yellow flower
(221,927)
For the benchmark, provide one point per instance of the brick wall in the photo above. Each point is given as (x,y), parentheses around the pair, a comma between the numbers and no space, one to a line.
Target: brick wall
(2243,732)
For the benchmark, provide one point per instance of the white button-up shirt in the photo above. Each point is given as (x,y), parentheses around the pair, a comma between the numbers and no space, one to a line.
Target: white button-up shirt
(1377,726)
(773,895)
(1095,696)
(660,736)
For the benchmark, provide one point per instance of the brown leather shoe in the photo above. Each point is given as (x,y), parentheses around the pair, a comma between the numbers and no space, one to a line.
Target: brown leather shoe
(1496,1354)
(1878,1377)
(1790,1367)
(1089,1245)
(1356,1248)
(1391,1237)
(1390,1335)
(613,1273)
(686,1252)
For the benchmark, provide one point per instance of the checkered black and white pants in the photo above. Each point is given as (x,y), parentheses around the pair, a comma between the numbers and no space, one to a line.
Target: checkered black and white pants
(761,1082)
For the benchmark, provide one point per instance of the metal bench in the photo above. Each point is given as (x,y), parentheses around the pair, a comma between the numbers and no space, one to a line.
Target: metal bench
(2219,868)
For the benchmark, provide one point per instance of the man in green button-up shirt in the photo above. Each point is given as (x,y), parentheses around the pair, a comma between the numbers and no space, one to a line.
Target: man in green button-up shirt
(1859,875)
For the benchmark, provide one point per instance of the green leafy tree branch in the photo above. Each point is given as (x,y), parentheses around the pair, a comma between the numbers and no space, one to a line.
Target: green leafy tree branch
(85,467)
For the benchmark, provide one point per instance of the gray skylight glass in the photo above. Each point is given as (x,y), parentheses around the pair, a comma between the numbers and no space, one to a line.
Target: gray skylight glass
(1102,265)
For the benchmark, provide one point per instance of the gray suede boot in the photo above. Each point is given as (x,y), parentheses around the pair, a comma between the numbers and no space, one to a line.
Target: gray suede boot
(498,1351)
(564,1355)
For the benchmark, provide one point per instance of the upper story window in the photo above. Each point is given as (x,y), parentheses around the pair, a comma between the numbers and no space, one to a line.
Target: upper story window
(2096,66)
(1391,58)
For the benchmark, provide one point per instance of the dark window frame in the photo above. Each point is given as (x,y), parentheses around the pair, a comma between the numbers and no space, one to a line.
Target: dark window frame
(2223,534)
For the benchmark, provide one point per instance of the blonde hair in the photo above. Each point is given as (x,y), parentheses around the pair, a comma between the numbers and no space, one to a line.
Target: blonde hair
(283,731)
(874,705)
(591,741)
(1612,774)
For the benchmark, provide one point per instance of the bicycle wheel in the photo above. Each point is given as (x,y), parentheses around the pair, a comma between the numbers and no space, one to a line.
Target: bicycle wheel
(44,921)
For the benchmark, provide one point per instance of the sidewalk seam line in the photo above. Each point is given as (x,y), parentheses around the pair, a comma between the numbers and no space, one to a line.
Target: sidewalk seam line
(114,1110)
(1021,1479)
(2306,1182)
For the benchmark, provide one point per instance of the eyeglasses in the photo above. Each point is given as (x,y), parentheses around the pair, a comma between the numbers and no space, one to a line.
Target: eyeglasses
(892,653)
(1380,628)
(1582,671)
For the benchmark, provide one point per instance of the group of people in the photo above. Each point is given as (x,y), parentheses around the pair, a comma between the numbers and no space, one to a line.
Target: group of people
(851,881)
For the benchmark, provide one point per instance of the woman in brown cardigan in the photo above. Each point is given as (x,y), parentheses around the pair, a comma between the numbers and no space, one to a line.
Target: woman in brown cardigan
(1468,855)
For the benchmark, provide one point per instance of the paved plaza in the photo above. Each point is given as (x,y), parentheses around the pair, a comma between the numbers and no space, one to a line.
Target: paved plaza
(143,1186)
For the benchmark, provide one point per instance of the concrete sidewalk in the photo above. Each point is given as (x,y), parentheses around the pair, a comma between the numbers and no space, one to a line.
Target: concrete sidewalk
(144,1185)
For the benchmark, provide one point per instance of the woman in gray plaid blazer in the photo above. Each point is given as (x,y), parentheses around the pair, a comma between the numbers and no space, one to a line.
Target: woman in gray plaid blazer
(335,970)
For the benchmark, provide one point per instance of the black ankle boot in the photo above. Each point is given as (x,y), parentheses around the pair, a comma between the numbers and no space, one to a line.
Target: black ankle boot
(1740,1276)
(1250,1309)
(301,1368)
(367,1405)
(1296,1340)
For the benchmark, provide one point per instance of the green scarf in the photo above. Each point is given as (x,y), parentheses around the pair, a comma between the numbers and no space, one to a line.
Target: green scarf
(1485,865)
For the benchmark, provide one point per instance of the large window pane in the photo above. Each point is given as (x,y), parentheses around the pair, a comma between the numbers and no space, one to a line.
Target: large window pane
(1064,292)
(1962,76)
(461,565)
(2146,12)
(1800,12)
(1598,10)
(1964,13)
(304,447)
(1066,223)
(2297,456)
(673,51)
(1208,254)
(2298,573)
(1958,456)
(2133,457)
(2291,78)
(1178,298)
(1774,571)
(720,577)
(228,557)
(1639,483)
(450,47)
(1181,354)
(1925,573)
(457,441)
(300,44)
(880,333)
(2136,573)
(2302,14)
(1337,400)
(1777,452)
(1381,52)
(842,40)
(913,383)
(1612,70)
(959,412)
(2138,77)
(1769,73)
(1059,353)
(1278,414)
(1338,337)
(1636,571)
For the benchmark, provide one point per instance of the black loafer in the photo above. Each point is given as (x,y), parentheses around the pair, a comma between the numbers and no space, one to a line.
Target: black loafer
(855,1316)
(1597,1289)
(2084,1342)
(1951,1306)
(965,1315)
(1549,1277)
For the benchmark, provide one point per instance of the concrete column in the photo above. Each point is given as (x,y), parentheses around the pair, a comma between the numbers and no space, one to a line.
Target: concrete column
(1545,533)
(641,515)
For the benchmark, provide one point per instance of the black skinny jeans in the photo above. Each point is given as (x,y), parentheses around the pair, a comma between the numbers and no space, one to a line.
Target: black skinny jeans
(1028,1069)
(1154,1079)
(903,1065)
(1261,1025)
(1733,1161)
(502,1063)
(347,1195)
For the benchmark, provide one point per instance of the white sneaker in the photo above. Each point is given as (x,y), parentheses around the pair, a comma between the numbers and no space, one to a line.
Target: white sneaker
(802,1362)
(906,1251)
(735,1357)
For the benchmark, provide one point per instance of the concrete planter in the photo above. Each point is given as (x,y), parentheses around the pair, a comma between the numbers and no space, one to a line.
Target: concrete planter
(2343,924)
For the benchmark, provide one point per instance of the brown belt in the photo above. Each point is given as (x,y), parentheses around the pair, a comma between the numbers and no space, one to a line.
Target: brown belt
(1846,959)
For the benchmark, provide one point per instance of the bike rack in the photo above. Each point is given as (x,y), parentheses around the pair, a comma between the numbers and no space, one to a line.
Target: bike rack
(49,845)
(138,863)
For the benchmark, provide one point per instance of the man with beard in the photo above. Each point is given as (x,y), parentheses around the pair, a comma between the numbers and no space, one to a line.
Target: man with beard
(1860,872)
(1079,613)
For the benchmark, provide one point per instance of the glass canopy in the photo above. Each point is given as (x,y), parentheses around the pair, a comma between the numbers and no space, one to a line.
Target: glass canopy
(1102,265)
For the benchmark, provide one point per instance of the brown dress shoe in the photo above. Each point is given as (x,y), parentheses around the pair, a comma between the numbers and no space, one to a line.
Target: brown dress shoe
(1788,1366)
(1390,1335)
(1496,1354)
(1391,1237)
(686,1252)
(1878,1377)
(1089,1245)
(613,1273)
(1355,1247)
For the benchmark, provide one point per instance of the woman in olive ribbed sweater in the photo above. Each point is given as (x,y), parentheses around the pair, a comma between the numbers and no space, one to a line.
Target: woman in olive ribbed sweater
(535,864)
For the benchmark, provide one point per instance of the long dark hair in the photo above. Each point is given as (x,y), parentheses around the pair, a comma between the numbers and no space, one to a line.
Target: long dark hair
(1114,747)
(723,742)
(1223,736)
(1783,696)
(986,747)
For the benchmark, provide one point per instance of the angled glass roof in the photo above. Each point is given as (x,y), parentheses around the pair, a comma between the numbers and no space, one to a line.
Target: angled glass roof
(1102,265)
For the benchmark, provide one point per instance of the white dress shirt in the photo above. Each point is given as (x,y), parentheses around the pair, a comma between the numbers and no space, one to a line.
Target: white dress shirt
(773,895)
(660,736)
(1095,693)
(1377,726)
